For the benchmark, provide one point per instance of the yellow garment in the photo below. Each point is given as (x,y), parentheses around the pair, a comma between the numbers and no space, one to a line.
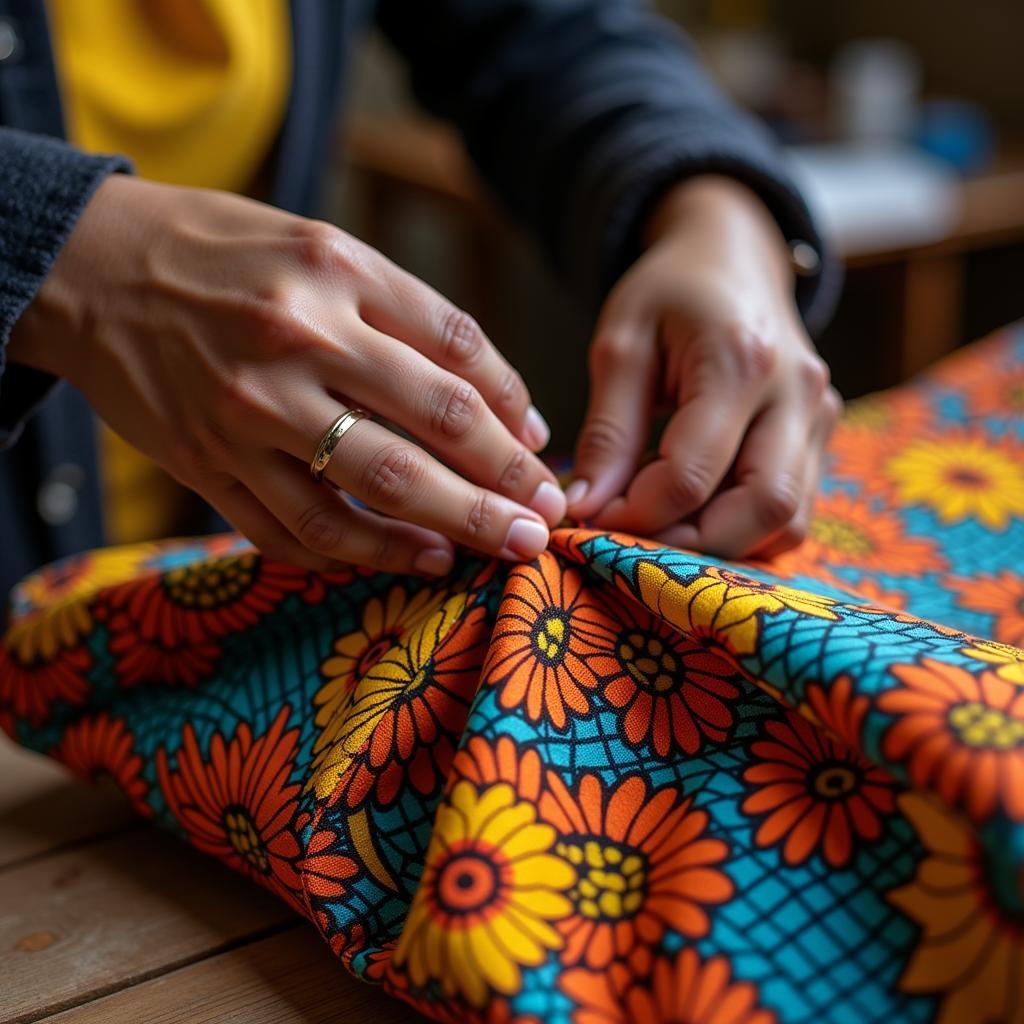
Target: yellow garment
(194,92)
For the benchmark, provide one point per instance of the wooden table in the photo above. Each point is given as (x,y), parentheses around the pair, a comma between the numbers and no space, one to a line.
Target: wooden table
(107,920)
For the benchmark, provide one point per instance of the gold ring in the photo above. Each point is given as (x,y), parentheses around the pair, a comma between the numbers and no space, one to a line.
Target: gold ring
(329,441)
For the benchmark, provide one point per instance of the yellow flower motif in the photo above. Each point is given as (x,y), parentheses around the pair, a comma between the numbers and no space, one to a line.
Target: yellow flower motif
(960,477)
(723,604)
(490,890)
(59,598)
(1010,660)
(356,699)
(970,948)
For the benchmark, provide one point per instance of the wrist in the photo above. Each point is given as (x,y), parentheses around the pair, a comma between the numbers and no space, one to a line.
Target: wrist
(53,331)
(728,214)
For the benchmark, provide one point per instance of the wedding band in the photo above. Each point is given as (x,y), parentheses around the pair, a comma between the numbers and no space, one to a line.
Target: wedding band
(334,433)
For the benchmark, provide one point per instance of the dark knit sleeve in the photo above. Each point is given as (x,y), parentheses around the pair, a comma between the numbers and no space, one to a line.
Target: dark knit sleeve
(44,186)
(581,114)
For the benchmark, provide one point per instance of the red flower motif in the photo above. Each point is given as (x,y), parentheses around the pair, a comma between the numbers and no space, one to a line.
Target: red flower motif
(167,628)
(644,864)
(816,792)
(672,691)
(99,746)
(28,690)
(548,625)
(238,805)
(681,989)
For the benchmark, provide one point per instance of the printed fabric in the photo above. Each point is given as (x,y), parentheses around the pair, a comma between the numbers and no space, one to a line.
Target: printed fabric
(621,782)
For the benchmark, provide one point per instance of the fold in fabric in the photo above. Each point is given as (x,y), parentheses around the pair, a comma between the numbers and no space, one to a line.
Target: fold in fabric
(621,782)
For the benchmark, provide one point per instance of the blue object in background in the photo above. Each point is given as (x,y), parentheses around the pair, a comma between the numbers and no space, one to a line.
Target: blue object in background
(958,132)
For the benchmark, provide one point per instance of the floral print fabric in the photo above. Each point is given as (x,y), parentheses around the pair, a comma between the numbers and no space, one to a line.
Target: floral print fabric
(622,782)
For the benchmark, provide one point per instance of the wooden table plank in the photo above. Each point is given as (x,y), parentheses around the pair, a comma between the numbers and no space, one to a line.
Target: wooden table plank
(90,920)
(42,807)
(290,978)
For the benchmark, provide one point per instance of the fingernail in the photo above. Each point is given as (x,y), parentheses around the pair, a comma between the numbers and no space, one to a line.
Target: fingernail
(526,538)
(434,561)
(535,429)
(576,492)
(549,501)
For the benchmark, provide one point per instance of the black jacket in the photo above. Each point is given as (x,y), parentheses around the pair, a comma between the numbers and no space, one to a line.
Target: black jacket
(579,113)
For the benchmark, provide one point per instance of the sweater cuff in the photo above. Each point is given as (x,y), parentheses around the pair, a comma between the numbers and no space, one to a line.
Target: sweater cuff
(625,192)
(44,186)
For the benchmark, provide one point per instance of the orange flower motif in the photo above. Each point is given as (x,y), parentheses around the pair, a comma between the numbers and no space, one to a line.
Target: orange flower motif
(238,805)
(548,626)
(484,763)
(959,734)
(850,531)
(980,375)
(816,792)
(671,690)
(682,989)
(168,627)
(838,710)
(101,746)
(1002,596)
(971,943)
(643,863)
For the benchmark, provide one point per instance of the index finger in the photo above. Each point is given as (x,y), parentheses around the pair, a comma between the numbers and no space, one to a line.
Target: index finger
(399,304)
(717,402)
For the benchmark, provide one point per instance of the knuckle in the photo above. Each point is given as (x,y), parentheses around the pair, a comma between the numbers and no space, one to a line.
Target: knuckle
(385,552)
(601,437)
(832,403)
(319,247)
(776,503)
(271,325)
(610,351)
(480,516)
(514,473)
(689,485)
(814,377)
(321,529)
(391,477)
(233,407)
(512,393)
(455,408)
(462,341)
(209,445)
(750,351)
(187,457)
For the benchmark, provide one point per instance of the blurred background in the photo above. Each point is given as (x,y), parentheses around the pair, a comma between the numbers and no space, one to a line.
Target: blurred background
(905,124)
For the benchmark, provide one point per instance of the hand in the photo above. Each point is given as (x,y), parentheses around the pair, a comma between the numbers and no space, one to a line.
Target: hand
(705,322)
(222,337)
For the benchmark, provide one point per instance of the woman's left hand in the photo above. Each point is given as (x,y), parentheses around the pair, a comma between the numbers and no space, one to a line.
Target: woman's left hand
(705,323)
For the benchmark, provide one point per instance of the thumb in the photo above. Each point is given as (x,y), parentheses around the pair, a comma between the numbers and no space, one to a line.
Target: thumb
(617,422)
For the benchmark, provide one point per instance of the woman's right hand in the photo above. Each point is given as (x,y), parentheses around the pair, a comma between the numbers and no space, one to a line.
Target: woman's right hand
(222,337)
